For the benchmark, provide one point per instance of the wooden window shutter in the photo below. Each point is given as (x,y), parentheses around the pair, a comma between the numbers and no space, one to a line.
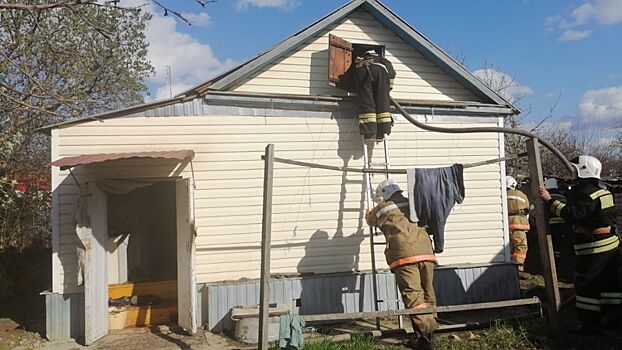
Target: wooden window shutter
(339,58)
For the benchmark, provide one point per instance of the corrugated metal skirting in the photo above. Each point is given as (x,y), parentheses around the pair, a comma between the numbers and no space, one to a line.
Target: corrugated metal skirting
(353,292)
(64,316)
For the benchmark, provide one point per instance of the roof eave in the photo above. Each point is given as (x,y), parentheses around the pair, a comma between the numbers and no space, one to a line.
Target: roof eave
(434,53)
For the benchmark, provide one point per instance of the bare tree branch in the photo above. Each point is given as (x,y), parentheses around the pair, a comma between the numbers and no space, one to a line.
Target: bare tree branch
(60,4)
(550,115)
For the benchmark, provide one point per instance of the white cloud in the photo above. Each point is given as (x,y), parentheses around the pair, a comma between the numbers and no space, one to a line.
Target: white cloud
(503,84)
(200,19)
(574,35)
(605,12)
(603,105)
(285,4)
(595,12)
(191,61)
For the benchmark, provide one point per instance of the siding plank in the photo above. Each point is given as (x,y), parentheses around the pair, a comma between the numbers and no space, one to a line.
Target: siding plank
(304,69)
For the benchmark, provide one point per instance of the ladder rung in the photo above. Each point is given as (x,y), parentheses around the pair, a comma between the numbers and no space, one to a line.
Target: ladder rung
(380,243)
(379,164)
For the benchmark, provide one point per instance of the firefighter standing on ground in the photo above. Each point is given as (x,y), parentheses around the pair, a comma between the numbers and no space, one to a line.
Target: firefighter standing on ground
(518,219)
(558,227)
(409,255)
(590,209)
(373,80)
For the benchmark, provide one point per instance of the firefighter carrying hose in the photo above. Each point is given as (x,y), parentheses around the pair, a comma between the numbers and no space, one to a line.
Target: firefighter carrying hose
(373,80)
(590,209)
(518,218)
(409,255)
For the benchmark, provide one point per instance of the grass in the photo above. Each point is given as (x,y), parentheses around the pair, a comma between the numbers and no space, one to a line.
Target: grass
(525,335)
(358,342)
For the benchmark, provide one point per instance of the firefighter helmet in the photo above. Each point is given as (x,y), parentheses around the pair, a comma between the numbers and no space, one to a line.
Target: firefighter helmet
(551,183)
(385,190)
(587,166)
(510,182)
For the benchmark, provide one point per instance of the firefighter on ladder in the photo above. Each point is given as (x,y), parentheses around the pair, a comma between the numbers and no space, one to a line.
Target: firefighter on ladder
(409,255)
(373,80)
(590,209)
(518,219)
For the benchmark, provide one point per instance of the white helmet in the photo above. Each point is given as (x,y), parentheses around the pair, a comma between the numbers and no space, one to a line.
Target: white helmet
(385,190)
(510,182)
(587,167)
(370,52)
(551,183)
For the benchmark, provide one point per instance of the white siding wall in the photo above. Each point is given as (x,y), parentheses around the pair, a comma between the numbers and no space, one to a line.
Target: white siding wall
(318,214)
(305,70)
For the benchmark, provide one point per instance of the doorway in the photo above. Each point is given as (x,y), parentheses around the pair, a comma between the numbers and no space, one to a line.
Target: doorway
(142,256)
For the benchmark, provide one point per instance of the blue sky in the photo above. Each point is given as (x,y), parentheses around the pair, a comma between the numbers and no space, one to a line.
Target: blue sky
(547,48)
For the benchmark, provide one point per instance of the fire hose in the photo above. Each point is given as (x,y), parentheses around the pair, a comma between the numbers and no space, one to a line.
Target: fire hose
(545,143)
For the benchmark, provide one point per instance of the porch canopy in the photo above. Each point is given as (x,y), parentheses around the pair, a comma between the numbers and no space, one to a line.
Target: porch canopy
(70,162)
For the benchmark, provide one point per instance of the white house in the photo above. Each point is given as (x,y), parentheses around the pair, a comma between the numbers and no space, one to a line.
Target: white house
(177,209)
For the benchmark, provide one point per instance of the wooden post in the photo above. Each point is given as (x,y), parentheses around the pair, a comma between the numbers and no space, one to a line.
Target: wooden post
(545,243)
(266,227)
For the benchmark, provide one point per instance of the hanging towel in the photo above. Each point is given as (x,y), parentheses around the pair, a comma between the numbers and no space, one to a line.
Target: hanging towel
(290,332)
(432,194)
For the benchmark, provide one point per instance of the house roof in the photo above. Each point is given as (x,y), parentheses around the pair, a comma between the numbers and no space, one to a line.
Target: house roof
(379,11)
(383,15)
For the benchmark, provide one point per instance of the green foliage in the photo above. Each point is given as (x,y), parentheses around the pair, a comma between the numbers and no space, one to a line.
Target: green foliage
(55,65)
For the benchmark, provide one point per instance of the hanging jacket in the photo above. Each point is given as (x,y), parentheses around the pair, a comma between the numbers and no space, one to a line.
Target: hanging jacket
(591,211)
(433,193)
(518,210)
(407,243)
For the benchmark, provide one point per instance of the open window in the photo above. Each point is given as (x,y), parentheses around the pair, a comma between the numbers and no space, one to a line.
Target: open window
(341,56)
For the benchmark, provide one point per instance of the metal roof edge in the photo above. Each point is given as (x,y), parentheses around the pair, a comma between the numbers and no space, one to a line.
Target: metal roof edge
(330,103)
(249,67)
(113,114)
(434,53)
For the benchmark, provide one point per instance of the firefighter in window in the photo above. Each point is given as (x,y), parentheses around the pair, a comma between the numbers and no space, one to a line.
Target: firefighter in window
(373,77)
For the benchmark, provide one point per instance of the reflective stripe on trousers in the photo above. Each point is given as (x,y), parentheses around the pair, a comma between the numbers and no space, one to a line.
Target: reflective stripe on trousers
(600,246)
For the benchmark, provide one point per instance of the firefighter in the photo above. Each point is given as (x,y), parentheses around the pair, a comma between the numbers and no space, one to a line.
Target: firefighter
(590,210)
(518,220)
(558,227)
(373,79)
(409,256)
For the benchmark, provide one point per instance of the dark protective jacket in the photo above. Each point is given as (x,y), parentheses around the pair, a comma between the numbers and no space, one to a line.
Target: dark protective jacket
(407,243)
(518,210)
(590,209)
(373,79)
(555,220)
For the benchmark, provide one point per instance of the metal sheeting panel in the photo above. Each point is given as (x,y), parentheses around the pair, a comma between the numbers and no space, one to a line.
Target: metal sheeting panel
(190,108)
(353,293)
(64,316)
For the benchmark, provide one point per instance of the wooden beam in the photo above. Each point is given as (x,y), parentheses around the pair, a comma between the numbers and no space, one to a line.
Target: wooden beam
(266,227)
(385,171)
(429,310)
(545,243)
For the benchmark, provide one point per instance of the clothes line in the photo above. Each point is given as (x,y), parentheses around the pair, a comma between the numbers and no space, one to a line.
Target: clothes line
(385,171)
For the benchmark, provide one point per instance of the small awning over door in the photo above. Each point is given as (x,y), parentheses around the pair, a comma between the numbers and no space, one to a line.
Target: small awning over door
(69,162)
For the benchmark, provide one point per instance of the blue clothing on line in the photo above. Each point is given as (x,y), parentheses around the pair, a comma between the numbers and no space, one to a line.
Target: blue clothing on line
(432,194)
